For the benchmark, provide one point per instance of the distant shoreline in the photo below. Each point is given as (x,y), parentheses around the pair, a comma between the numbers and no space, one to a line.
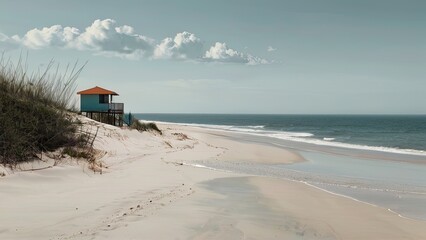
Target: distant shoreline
(385,139)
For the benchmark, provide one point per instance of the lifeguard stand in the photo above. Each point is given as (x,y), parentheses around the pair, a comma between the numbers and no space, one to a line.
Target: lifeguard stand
(96,103)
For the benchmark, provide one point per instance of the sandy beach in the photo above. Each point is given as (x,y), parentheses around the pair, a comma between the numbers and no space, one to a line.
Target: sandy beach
(152,187)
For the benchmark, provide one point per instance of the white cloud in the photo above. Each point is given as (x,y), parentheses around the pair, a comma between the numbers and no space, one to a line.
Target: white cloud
(185,45)
(105,37)
(221,53)
(271,49)
(54,36)
(125,29)
(7,43)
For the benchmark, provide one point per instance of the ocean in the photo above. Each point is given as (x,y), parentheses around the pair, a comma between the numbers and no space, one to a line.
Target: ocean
(389,133)
(377,159)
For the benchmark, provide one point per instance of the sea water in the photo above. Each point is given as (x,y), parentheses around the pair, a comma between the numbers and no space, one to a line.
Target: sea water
(394,185)
(393,133)
(380,160)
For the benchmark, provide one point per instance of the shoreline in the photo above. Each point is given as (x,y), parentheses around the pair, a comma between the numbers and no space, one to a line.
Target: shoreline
(151,181)
(406,157)
(315,187)
(341,185)
(349,218)
(332,147)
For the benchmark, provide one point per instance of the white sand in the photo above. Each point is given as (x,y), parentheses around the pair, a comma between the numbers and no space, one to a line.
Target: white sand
(145,193)
(316,211)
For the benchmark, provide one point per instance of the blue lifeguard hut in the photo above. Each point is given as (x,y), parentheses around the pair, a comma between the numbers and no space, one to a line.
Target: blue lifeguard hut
(97,104)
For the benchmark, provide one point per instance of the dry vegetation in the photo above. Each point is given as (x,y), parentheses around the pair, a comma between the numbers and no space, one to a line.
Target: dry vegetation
(141,126)
(35,111)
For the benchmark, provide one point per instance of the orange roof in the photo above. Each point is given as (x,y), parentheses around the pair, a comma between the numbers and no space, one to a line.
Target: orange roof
(97,90)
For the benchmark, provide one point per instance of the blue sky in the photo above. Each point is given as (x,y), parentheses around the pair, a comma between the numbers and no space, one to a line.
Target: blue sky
(284,57)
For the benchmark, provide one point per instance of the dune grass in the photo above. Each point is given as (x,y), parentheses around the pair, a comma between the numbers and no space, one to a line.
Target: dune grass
(35,110)
(141,126)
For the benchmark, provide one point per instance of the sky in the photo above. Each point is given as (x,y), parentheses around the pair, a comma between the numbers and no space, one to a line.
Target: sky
(239,56)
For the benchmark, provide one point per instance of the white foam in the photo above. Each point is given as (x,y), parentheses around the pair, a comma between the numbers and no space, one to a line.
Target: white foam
(203,166)
(358,147)
(300,137)
(259,126)
(286,135)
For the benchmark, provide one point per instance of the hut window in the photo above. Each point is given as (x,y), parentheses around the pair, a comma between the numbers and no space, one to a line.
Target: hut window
(103,98)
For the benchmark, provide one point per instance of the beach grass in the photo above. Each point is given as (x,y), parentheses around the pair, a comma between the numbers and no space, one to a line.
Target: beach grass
(36,110)
(142,126)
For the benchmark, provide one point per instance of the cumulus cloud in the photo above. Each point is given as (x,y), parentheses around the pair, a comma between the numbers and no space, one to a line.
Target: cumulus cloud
(106,37)
(54,36)
(221,53)
(103,37)
(184,45)
(271,49)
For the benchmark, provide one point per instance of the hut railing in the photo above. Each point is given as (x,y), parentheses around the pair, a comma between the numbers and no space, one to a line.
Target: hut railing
(116,107)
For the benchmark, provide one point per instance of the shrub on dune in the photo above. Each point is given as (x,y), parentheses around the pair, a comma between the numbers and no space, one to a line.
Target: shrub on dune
(141,126)
(35,111)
